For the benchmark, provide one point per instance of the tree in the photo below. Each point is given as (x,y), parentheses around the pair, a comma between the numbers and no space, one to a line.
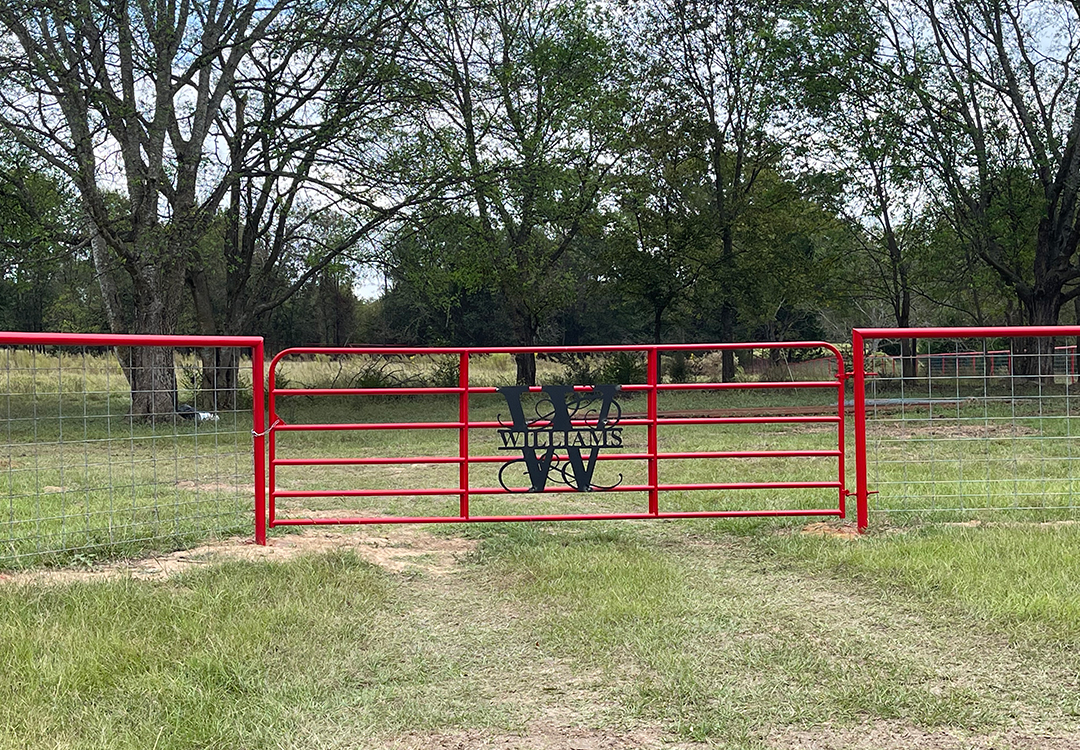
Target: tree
(46,277)
(312,168)
(996,86)
(725,73)
(124,97)
(660,238)
(524,115)
(869,148)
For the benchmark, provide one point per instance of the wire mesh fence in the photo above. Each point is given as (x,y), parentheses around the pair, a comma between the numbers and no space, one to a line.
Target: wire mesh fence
(978,424)
(106,454)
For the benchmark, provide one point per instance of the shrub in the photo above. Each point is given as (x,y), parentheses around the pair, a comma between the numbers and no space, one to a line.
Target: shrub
(623,367)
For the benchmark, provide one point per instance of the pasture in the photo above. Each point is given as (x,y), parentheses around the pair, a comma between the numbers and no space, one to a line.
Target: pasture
(603,635)
(747,633)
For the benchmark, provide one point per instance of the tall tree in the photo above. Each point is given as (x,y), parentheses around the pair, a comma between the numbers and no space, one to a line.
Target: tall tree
(661,237)
(723,71)
(124,97)
(881,195)
(996,84)
(525,114)
(313,167)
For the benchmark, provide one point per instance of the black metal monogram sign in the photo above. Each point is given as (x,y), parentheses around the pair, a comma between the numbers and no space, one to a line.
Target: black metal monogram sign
(567,423)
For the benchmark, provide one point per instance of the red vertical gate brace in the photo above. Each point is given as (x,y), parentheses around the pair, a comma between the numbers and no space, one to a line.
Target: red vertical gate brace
(258,430)
(862,490)
(463,434)
(653,377)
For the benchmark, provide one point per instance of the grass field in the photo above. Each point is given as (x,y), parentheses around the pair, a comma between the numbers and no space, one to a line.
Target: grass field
(746,634)
(682,634)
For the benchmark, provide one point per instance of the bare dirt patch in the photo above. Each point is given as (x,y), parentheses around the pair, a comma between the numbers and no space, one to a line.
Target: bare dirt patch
(543,735)
(945,429)
(409,550)
(190,484)
(848,531)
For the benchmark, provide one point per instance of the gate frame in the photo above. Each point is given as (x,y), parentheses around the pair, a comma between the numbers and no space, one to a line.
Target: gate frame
(858,365)
(653,421)
(172,341)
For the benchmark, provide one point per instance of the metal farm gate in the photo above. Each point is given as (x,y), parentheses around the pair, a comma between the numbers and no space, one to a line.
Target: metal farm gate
(983,426)
(430,435)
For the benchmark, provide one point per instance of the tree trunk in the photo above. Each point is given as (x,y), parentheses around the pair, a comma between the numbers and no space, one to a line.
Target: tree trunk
(220,366)
(1035,354)
(728,313)
(525,335)
(727,335)
(220,378)
(153,383)
(526,368)
(153,369)
(909,364)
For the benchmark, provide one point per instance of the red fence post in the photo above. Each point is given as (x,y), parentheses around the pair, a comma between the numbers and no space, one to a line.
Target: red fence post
(258,429)
(653,379)
(862,489)
(271,477)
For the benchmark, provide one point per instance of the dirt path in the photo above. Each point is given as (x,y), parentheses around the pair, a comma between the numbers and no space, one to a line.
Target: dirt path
(463,620)
(398,550)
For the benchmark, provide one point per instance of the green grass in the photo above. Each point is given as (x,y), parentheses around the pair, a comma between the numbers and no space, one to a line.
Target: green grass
(678,630)
(207,660)
(1021,578)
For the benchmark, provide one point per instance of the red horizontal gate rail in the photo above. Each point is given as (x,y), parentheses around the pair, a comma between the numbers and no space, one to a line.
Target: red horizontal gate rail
(464,460)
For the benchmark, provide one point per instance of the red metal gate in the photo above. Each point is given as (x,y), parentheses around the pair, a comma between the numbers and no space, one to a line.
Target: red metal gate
(574,428)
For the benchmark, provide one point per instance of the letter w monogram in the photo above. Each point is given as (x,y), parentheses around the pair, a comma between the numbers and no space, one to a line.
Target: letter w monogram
(561,421)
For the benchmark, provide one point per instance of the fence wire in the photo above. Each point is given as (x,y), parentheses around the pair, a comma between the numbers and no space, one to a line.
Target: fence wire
(85,479)
(977,429)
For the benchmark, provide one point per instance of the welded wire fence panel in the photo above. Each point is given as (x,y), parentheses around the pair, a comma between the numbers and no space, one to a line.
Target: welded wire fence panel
(102,458)
(981,426)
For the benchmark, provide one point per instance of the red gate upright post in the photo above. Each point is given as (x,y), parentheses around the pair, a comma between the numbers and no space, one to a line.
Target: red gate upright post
(841,436)
(463,435)
(862,489)
(258,429)
(653,379)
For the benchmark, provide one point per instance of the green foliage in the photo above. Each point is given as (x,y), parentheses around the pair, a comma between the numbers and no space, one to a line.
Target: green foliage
(622,368)
(578,370)
(562,172)
(680,368)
